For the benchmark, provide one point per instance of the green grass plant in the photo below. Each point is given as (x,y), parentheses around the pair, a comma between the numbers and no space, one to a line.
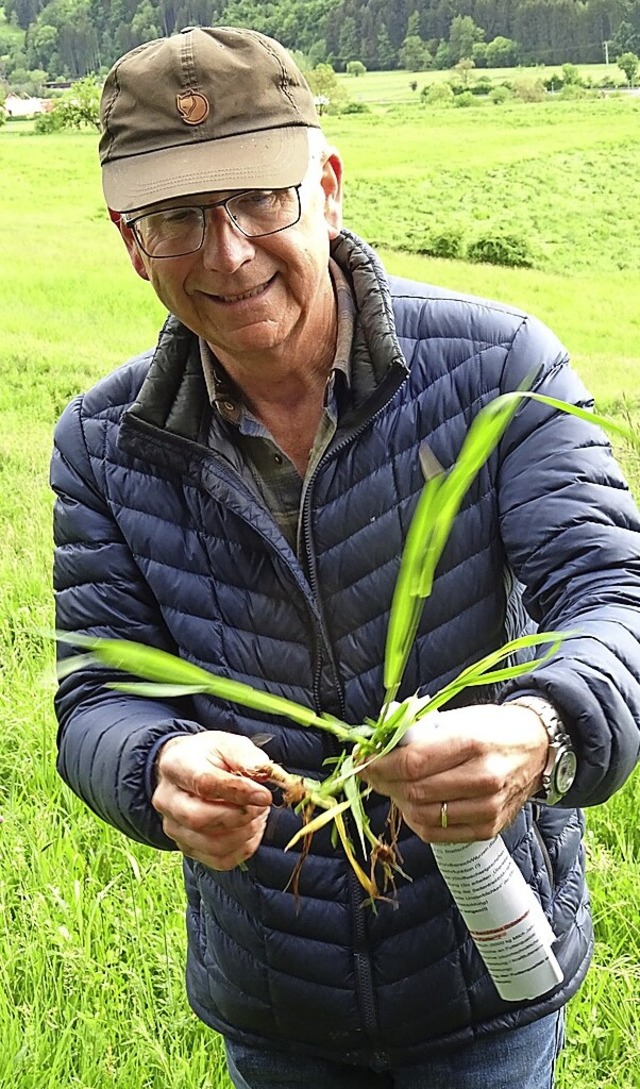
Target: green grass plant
(91,925)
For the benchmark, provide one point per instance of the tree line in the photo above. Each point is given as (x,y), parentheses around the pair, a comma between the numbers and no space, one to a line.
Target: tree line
(69,39)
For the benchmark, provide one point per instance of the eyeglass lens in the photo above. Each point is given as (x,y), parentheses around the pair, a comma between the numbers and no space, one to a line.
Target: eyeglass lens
(178,231)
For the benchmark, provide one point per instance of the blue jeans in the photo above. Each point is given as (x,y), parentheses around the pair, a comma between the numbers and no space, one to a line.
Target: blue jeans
(522,1058)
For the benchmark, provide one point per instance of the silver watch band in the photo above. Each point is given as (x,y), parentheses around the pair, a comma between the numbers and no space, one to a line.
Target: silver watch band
(560,768)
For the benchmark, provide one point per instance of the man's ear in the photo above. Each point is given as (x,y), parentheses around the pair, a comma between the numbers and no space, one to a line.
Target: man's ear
(128,238)
(332,185)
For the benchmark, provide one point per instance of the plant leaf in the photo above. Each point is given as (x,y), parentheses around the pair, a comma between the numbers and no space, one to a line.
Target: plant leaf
(429,531)
(406,606)
(604,422)
(480,672)
(352,788)
(157,691)
(366,882)
(163,668)
(317,823)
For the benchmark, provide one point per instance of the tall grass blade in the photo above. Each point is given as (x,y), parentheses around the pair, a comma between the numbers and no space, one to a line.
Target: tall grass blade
(607,424)
(429,530)
(406,605)
(163,668)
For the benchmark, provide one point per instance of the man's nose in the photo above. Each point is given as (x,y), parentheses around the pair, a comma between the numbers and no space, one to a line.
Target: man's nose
(225,248)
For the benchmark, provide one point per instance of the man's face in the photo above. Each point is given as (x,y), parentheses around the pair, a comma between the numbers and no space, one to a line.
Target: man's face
(251,296)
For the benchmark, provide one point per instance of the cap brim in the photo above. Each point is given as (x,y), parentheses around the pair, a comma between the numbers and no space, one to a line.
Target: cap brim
(271,159)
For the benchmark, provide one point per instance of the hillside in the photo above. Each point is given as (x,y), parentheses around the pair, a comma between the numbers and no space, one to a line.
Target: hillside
(43,40)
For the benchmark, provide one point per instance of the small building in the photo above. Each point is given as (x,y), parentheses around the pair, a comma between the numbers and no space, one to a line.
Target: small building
(17,105)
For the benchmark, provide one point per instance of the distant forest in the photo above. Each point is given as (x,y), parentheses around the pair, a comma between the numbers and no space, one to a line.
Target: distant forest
(73,38)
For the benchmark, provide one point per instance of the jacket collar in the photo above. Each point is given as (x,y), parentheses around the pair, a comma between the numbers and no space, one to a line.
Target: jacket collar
(174,398)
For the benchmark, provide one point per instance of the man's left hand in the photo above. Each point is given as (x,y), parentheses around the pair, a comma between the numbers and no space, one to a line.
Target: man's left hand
(472,771)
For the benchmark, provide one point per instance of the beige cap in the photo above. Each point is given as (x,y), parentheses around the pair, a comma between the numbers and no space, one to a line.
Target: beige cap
(211,108)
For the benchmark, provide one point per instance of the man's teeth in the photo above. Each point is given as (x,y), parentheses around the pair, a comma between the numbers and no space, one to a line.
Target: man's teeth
(247,294)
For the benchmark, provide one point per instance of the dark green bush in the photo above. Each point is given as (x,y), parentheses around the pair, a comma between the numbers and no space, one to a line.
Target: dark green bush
(48,122)
(448,243)
(499,94)
(355,107)
(481,86)
(500,249)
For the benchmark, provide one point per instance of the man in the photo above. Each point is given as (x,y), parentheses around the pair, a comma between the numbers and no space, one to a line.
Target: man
(240,497)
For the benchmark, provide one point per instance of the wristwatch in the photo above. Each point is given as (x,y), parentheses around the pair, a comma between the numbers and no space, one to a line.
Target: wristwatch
(560,769)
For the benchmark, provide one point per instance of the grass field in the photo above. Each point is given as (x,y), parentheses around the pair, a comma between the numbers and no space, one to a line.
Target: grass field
(91,931)
(395,86)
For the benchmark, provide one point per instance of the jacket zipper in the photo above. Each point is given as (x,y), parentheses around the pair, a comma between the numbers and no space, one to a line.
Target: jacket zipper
(308,542)
(362,958)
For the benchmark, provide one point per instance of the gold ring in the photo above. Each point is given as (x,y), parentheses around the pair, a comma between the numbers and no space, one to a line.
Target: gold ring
(444,819)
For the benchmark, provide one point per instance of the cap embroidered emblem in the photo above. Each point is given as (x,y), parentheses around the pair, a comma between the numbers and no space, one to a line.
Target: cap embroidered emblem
(193,107)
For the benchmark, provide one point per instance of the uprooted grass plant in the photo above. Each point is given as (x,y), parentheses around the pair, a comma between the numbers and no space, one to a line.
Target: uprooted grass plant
(342,790)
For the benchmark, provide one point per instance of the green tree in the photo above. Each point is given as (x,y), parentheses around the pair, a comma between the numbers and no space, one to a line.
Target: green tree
(463,70)
(413,25)
(77,108)
(349,40)
(442,58)
(571,74)
(414,55)
(43,45)
(463,32)
(325,86)
(479,54)
(626,39)
(356,68)
(502,52)
(144,25)
(76,45)
(385,50)
(629,63)
(24,11)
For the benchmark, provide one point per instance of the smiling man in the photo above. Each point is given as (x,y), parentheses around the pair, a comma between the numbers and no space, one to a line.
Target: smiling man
(240,497)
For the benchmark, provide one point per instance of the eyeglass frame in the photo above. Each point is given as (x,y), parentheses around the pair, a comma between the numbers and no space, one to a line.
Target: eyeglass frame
(130,222)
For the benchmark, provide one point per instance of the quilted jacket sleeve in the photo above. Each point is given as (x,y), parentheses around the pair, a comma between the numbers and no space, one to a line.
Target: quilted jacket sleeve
(99,591)
(572,533)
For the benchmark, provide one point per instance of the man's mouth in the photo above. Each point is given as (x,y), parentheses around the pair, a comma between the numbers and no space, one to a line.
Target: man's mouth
(251,294)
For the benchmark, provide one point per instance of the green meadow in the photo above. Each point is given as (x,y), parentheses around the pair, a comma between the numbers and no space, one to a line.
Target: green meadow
(375,88)
(91,924)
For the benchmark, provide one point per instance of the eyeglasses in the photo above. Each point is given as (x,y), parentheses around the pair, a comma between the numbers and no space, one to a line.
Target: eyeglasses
(176,232)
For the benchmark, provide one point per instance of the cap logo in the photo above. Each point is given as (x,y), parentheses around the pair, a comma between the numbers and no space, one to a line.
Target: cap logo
(193,107)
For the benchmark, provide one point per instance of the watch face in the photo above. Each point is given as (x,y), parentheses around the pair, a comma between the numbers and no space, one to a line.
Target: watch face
(565,772)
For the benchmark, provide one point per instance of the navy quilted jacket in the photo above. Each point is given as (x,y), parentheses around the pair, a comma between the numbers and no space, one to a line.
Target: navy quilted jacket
(160,540)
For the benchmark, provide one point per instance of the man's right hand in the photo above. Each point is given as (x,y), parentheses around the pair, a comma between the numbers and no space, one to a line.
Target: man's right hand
(210,808)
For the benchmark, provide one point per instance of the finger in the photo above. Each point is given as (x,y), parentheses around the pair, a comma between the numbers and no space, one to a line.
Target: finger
(484,812)
(207,781)
(217,839)
(201,815)
(431,756)
(222,853)
(461,825)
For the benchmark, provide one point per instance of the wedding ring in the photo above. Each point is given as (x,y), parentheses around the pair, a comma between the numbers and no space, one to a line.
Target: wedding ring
(444,819)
